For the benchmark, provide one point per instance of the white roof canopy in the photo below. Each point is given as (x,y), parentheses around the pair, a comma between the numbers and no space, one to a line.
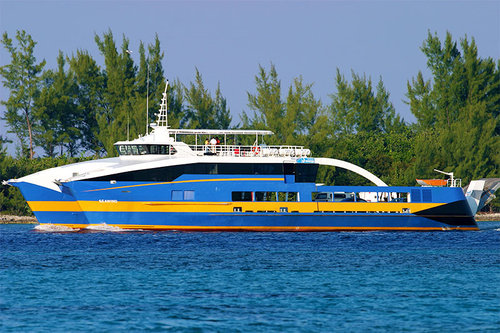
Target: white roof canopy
(218,132)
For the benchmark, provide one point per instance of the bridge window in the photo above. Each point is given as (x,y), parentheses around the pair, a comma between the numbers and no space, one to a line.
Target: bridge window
(146,149)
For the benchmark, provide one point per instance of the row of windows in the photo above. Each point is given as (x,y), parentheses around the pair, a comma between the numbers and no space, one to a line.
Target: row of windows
(285,210)
(146,149)
(182,195)
(371,196)
(303,172)
(265,196)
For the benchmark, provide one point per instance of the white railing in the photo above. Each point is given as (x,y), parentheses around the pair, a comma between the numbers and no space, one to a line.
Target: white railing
(251,151)
(454,182)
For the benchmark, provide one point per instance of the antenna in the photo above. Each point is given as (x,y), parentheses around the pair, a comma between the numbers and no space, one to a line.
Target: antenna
(446,173)
(147,102)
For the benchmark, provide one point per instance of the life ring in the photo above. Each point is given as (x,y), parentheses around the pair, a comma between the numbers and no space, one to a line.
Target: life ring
(256,150)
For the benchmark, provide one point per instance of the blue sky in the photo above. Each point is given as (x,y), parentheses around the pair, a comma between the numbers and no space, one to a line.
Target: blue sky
(227,40)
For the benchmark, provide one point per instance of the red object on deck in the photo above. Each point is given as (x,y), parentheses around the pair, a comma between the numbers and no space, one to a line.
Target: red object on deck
(432,182)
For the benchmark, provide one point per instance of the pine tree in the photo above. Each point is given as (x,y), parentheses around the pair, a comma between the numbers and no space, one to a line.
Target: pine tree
(459,111)
(56,112)
(203,110)
(222,117)
(267,106)
(200,106)
(302,110)
(118,119)
(357,108)
(22,78)
(89,81)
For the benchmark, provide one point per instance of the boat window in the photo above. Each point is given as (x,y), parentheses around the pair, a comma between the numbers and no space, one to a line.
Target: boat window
(426,196)
(177,195)
(265,196)
(288,196)
(157,149)
(242,196)
(162,150)
(322,196)
(122,150)
(415,196)
(399,197)
(306,172)
(267,169)
(188,195)
(135,151)
(170,173)
(343,196)
(146,149)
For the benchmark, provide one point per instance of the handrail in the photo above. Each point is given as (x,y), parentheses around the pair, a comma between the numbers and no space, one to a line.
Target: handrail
(454,182)
(251,151)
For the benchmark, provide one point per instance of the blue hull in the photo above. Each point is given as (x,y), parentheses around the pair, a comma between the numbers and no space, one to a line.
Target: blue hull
(249,221)
(81,204)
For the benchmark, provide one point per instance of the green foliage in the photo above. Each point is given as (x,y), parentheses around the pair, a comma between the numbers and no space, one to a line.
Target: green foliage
(55,112)
(457,114)
(356,107)
(89,81)
(22,78)
(292,120)
(203,110)
(389,155)
(11,200)
(268,108)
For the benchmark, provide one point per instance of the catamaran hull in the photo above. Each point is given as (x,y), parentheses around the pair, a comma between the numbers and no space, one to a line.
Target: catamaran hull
(62,208)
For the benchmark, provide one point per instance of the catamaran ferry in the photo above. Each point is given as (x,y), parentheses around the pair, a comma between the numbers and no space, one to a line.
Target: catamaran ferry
(161,183)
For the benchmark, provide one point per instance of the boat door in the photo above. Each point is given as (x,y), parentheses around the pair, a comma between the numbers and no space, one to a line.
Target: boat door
(289,172)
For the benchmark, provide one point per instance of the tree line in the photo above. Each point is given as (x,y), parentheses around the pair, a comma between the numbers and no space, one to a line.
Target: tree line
(81,108)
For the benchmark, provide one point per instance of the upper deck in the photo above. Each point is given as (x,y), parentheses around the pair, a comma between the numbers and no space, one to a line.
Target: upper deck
(164,141)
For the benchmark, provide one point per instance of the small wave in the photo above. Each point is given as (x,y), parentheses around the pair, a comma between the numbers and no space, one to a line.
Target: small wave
(54,228)
(104,227)
(489,225)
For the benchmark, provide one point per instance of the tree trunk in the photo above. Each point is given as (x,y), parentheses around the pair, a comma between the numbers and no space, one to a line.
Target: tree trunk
(31,137)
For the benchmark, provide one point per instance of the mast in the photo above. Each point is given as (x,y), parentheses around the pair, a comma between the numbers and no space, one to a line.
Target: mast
(163,112)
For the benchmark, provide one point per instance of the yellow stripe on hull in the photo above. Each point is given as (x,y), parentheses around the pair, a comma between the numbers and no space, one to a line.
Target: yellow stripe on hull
(225,207)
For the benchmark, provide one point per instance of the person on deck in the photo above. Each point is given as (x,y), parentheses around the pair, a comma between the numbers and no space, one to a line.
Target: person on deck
(213,142)
(207,142)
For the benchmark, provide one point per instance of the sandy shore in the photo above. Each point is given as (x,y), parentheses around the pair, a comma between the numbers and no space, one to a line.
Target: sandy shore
(488,217)
(12,219)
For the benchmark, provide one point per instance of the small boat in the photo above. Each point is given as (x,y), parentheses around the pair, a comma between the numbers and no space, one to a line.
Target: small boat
(432,182)
(160,182)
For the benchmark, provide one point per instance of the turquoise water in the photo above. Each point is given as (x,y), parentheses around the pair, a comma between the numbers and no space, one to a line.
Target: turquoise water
(253,282)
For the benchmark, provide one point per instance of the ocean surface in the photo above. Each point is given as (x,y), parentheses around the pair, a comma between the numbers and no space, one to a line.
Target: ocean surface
(250,282)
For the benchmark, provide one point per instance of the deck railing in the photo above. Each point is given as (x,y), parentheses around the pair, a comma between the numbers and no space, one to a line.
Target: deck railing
(251,151)
(455,182)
